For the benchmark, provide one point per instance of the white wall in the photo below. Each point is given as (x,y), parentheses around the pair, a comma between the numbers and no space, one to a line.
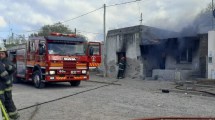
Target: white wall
(132,49)
(211,54)
(111,48)
(113,45)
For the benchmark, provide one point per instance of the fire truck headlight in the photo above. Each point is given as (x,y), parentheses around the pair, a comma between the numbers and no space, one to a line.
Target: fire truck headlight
(51,72)
(84,71)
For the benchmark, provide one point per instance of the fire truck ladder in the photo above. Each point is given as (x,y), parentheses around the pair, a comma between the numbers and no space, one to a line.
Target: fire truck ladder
(3,112)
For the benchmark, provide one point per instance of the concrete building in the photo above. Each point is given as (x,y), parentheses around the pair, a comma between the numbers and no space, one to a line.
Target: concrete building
(185,56)
(156,53)
(129,42)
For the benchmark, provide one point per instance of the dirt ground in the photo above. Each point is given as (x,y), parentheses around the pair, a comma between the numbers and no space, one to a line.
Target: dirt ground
(108,99)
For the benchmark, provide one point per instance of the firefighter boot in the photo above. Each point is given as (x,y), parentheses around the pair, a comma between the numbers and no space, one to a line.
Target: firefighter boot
(14,116)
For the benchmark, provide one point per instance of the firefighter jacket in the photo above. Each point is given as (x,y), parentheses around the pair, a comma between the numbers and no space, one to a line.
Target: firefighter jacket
(10,68)
(6,72)
(122,64)
(4,75)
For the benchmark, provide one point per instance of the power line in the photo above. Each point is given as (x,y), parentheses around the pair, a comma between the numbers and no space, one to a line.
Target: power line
(20,36)
(70,19)
(87,14)
(89,32)
(27,31)
(3,31)
(2,37)
(36,30)
(122,3)
(71,95)
(81,15)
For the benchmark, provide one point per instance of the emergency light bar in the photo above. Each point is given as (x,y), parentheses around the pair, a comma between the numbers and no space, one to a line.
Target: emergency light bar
(56,34)
(60,34)
(65,39)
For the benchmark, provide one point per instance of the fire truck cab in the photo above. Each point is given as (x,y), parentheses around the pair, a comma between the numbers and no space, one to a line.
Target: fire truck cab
(55,58)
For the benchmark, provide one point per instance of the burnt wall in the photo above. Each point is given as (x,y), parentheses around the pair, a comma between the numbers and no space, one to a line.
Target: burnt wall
(128,44)
(184,47)
(203,52)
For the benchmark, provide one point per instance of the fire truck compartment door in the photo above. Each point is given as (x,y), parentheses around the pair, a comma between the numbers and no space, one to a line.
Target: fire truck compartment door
(21,62)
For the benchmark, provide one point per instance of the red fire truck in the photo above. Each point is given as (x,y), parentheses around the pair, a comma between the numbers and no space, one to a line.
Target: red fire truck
(55,58)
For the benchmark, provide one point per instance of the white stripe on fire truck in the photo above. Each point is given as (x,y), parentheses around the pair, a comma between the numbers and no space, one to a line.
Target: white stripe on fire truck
(55,67)
(30,66)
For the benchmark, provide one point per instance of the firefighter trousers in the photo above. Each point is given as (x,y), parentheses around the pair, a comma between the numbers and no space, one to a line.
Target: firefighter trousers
(120,74)
(6,98)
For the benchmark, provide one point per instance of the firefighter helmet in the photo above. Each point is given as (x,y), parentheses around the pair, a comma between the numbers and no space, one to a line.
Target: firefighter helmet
(3,49)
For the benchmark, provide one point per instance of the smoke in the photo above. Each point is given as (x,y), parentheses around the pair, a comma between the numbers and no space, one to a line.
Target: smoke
(200,25)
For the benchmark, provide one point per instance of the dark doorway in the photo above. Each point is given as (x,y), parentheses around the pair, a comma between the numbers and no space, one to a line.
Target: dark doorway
(151,55)
(162,61)
(119,55)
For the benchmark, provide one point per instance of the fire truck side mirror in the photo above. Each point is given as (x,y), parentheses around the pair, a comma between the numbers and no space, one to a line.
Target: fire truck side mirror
(41,49)
(91,50)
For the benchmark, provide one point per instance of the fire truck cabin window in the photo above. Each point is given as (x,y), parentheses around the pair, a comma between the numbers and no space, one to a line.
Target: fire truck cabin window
(66,49)
(95,49)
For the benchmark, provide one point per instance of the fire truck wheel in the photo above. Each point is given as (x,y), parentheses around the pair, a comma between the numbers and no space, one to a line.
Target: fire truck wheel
(16,80)
(37,80)
(75,83)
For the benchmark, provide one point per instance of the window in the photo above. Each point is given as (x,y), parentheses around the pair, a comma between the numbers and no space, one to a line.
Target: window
(66,49)
(185,56)
(96,50)
(210,59)
(32,46)
(42,48)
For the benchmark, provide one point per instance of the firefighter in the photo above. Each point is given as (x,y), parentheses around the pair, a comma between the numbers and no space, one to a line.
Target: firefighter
(7,84)
(122,64)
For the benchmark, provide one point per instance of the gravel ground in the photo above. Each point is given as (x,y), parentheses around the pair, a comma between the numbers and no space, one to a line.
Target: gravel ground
(129,99)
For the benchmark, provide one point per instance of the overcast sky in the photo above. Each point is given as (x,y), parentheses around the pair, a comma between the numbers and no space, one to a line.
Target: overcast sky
(21,16)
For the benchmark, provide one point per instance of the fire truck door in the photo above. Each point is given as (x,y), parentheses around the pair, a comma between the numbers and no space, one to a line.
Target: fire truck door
(94,54)
(21,62)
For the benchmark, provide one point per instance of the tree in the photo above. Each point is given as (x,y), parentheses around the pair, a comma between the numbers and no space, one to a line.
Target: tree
(14,40)
(208,8)
(57,27)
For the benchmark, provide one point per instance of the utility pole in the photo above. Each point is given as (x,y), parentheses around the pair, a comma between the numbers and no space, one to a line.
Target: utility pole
(212,14)
(75,31)
(141,18)
(105,43)
(4,40)
(12,38)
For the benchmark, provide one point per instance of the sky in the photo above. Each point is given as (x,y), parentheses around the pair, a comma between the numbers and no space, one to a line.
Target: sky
(22,17)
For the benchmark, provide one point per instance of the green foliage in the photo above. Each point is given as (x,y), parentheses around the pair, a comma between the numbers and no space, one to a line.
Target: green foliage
(57,27)
(208,8)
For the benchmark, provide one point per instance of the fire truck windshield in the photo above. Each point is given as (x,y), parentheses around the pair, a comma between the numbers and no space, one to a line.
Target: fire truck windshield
(66,49)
